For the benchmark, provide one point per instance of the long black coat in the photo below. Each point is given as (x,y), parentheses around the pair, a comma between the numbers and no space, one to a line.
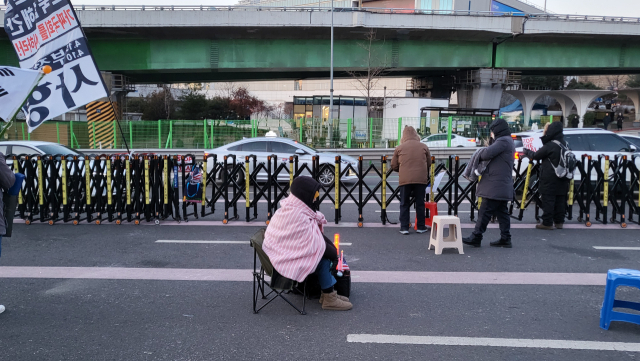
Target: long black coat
(497,179)
(550,154)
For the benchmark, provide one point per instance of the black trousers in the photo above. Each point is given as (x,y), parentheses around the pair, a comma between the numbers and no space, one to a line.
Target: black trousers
(489,208)
(553,208)
(406,192)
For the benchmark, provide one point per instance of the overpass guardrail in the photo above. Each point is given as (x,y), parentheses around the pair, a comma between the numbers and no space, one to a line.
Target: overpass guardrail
(120,188)
(541,15)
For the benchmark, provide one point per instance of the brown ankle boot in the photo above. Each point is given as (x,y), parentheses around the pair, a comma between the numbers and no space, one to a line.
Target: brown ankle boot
(332,302)
(340,297)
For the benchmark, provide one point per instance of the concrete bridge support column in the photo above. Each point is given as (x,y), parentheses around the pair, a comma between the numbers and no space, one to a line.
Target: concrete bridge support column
(481,89)
(634,95)
(527,99)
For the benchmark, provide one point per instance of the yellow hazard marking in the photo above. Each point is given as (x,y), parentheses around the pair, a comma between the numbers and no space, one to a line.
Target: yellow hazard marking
(63,167)
(87,175)
(146,182)
(109,199)
(526,187)
(247,184)
(40,183)
(166,181)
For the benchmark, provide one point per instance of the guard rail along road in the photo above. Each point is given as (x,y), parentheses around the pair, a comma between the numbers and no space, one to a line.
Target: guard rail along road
(367,154)
(120,188)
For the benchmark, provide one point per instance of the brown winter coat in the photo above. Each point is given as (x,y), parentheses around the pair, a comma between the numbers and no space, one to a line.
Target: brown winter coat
(411,159)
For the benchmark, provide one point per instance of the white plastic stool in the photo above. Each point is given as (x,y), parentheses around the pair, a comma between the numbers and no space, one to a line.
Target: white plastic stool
(454,240)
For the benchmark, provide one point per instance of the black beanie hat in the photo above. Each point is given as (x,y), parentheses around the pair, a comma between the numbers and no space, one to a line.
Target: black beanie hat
(500,128)
(305,188)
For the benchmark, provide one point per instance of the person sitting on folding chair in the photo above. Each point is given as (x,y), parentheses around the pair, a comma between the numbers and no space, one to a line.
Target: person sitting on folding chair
(296,246)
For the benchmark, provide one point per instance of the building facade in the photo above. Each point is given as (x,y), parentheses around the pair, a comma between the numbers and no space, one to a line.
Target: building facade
(514,6)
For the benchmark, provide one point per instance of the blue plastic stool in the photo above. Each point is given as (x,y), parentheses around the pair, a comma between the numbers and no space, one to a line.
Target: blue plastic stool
(616,278)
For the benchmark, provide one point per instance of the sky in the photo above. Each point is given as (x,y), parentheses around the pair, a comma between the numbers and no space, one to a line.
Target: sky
(629,8)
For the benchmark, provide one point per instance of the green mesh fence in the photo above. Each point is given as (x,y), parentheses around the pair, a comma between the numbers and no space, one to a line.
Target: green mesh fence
(207,134)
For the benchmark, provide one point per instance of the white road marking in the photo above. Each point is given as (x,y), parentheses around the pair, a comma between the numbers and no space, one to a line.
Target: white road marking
(618,248)
(216,242)
(495,342)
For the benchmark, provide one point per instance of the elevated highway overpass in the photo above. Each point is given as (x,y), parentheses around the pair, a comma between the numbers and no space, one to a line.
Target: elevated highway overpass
(182,44)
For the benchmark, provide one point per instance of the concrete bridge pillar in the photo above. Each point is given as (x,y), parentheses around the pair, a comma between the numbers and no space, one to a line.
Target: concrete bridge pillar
(566,98)
(582,99)
(481,89)
(528,99)
(634,95)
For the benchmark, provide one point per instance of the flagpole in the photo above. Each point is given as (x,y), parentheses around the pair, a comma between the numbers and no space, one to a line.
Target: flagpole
(46,70)
(115,114)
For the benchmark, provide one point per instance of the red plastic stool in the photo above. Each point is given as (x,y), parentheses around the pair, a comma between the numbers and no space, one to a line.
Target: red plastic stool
(431,209)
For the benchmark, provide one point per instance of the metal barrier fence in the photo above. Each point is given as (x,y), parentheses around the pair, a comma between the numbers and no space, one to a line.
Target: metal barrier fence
(208,134)
(118,189)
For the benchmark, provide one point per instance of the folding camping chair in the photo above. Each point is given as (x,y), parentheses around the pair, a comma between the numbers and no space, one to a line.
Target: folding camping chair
(278,284)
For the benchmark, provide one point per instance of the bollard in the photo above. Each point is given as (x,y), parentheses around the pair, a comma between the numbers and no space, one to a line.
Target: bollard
(292,170)
(64,182)
(383,212)
(605,196)
(360,182)
(204,187)
(147,195)
(570,199)
(523,202)
(456,186)
(109,192)
(40,188)
(247,185)
(337,189)
(433,177)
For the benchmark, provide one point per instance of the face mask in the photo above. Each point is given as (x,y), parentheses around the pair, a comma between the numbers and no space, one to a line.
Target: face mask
(493,136)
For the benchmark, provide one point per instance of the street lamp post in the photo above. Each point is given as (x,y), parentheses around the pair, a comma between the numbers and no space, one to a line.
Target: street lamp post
(331,82)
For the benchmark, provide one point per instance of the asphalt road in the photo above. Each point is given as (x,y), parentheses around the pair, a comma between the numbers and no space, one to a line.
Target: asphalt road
(157,319)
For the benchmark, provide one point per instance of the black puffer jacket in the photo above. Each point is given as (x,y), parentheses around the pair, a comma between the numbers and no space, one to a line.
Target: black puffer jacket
(497,179)
(550,154)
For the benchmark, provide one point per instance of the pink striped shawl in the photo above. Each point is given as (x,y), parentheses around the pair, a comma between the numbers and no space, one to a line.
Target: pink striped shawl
(293,240)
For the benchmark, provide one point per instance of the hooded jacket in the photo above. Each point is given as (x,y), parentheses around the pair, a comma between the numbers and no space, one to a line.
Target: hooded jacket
(294,241)
(497,179)
(411,159)
(305,188)
(549,154)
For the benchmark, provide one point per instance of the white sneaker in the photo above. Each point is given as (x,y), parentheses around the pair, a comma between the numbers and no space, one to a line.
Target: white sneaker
(404,232)
(422,231)
(2,308)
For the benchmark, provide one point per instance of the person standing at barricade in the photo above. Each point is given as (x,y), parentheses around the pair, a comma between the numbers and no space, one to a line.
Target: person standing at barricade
(412,160)
(606,121)
(552,188)
(496,186)
(620,120)
(7,178)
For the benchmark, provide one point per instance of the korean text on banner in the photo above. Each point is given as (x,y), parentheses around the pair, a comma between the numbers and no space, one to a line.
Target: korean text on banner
(15,86)
(48,32)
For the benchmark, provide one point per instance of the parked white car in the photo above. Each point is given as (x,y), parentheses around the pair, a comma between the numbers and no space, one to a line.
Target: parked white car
(633,139)
(589,141)
(440,141)
(283,148)
(34,148)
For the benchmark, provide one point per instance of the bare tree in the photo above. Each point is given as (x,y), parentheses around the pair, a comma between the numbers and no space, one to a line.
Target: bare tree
(279,111)
(617,81)
(226,90)
(168,100)
(367,81)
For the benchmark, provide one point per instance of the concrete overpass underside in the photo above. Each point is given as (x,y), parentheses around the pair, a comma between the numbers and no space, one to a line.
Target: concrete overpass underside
(197,48)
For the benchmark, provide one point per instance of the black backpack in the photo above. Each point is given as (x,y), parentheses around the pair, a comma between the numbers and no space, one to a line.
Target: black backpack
(567,164)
